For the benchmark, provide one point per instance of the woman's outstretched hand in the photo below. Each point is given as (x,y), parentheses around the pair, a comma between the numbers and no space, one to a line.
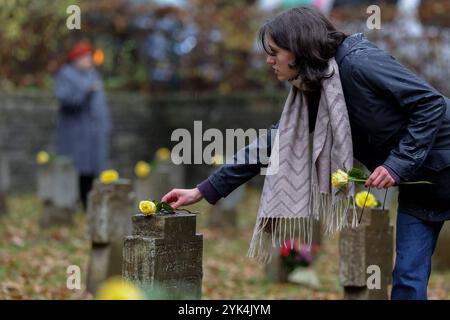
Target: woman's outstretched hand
(181,197)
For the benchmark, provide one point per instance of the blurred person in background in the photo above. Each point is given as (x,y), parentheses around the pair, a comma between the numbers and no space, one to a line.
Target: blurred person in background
(83,122)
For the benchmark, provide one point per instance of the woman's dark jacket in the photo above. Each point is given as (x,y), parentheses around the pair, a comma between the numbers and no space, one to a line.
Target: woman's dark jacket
(397,120)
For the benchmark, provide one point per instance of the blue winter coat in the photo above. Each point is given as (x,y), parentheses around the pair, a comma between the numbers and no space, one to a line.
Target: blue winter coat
(84,121)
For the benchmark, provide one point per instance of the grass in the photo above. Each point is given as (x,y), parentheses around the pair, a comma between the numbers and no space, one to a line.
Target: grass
(33,262)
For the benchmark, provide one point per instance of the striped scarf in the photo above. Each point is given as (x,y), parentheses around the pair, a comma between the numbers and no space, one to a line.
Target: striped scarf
(297,187)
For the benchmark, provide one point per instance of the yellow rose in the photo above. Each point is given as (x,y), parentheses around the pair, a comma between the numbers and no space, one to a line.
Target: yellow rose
(117,288)
(147,207)
(163,154)
(109,176)
(360,199)
(42,158)
(339,179)
(142,169)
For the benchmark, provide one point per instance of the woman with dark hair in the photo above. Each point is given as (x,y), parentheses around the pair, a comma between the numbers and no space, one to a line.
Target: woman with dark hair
(357,101)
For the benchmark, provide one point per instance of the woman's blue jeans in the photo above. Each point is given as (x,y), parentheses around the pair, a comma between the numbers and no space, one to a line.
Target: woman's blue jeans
(415,243)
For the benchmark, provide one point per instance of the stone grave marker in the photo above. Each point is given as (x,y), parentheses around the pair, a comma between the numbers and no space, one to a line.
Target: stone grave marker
(110,207)
(143,190)
(363,251)
(165,253)
(45,182)
(58,191)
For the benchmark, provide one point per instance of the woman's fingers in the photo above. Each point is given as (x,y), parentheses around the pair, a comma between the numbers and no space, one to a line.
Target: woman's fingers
(179,197)
(177,204)
(176,198)
(374,179)
(170,197)
(387,182)
(380,178)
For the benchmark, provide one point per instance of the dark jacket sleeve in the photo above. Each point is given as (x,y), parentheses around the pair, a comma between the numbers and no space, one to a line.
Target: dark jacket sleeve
(424,106)
(231,175)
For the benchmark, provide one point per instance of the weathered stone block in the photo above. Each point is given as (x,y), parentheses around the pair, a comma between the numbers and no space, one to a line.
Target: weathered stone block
(164,252)
(65,190)
(98,268)
(110,207)
(58,190)
(143,190)
(369,244)
(45,182)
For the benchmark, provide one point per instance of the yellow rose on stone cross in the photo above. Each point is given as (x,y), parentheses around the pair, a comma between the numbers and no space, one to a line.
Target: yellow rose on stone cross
(147,207)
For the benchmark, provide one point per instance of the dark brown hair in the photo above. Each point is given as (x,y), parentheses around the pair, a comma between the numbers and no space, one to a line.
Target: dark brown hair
(310,36)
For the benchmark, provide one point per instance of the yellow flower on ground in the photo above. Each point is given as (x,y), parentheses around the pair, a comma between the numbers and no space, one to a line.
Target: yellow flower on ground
(163,154)
(142,169)
(339,178)
(109,176)
(42,158)
(117,288)
(147,207)
(360,199)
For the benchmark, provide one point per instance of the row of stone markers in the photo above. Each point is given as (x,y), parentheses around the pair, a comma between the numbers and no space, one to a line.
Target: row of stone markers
(157,252)
(57,185)
(111,207)
(164,252)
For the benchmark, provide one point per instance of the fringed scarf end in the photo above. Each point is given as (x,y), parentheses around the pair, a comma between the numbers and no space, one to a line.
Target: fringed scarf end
(270,233)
